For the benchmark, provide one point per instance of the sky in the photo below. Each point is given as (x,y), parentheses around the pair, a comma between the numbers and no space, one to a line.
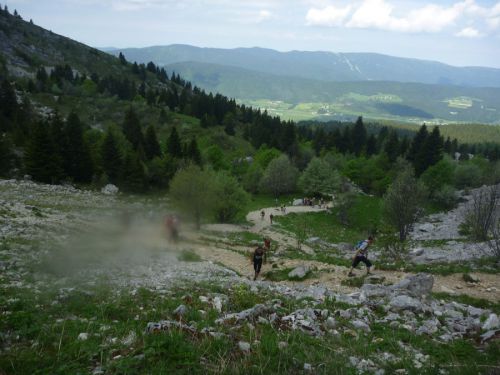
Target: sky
(460,33)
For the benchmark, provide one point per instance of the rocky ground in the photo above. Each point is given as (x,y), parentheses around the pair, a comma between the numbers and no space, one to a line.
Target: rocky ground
(67,241)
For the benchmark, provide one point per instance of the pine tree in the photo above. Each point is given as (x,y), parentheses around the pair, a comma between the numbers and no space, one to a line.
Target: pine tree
(417,147)
(391,147)
(358,137)
(78,162)
(6,155)
(42,160)
(432,151)
(151,145)
(111,157)
(371,145)
(132,129)
(194,152)
(8,106)
(229,124)
(174,146)
(133,177)
(122,59)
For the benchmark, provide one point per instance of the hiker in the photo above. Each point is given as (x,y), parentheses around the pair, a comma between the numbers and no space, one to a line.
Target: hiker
(171,227)
(257,260)
(361,255)
(271,218)
(267,247)
(262,214)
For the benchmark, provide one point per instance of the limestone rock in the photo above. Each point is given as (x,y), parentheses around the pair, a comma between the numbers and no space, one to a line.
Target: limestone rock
(417,285)
(244,346)
(299,272)
(109,189)
(180,311)
(403,302)
(491,323)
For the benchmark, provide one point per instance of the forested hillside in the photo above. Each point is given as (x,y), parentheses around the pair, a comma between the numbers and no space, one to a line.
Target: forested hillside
(72,113)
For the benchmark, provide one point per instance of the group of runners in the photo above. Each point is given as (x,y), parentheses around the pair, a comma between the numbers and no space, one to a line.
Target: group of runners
(360,256)
(260,253)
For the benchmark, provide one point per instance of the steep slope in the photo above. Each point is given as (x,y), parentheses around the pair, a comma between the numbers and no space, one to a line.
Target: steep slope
(326,66)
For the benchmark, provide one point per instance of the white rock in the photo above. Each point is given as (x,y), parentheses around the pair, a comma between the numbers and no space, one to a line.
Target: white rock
(299,272)
(181,310)
(403,302)
(307,367)
(218,303)
(109,189)
(244,346)
(359,324)
(491,323)
(83,336)
(331,323)
(282,345)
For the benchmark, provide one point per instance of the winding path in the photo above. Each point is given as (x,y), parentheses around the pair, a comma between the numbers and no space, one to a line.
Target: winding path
(238,259)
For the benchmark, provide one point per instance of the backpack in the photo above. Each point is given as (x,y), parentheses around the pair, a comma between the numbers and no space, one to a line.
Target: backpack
(358,244)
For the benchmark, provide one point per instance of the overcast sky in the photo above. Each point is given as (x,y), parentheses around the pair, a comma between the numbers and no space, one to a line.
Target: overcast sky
(455,32)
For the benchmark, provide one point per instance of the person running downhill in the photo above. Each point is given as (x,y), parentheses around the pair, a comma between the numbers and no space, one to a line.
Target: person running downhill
(267,247)
(257,260)
(361,256)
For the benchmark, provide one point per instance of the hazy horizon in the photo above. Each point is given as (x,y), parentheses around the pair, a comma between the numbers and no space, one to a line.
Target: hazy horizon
(457,33)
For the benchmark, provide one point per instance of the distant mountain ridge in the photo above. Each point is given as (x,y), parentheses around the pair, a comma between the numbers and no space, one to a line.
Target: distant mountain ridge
(320,65)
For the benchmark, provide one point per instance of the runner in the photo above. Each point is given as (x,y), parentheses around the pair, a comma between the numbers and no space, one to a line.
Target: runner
(257,260)
(361,255)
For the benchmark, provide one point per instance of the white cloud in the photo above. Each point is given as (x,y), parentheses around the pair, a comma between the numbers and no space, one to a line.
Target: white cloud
(469,32)
(329,16)
(431,18)
(133,5)
(263,15)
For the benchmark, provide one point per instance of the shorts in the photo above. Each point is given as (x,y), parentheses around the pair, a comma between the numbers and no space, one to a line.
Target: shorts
(361,258)
(257,264)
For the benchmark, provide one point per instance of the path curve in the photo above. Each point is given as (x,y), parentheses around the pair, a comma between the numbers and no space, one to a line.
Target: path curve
(331,276)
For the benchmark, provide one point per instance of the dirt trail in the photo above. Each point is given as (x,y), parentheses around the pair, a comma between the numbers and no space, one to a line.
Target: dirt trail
(238,259)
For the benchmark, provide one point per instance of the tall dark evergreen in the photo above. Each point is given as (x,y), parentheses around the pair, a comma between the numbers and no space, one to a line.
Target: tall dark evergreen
(151,146)
(132,129)
(43,162)
(133,178)
(417,147)
(8,106)
(371,145)
(432,151)
(358,137)
(78,161)
(174,146)
(391,147)
(193,152)
(111,157)
(122,59)
(6,155)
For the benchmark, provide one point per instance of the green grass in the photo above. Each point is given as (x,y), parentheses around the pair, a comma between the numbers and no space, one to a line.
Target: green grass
(41,337)
(244,238)
(478,265)
(189,256)
(364,216)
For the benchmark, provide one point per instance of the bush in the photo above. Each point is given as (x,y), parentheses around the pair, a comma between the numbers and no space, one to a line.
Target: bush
(392,248)
(467,175)
(446,197)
